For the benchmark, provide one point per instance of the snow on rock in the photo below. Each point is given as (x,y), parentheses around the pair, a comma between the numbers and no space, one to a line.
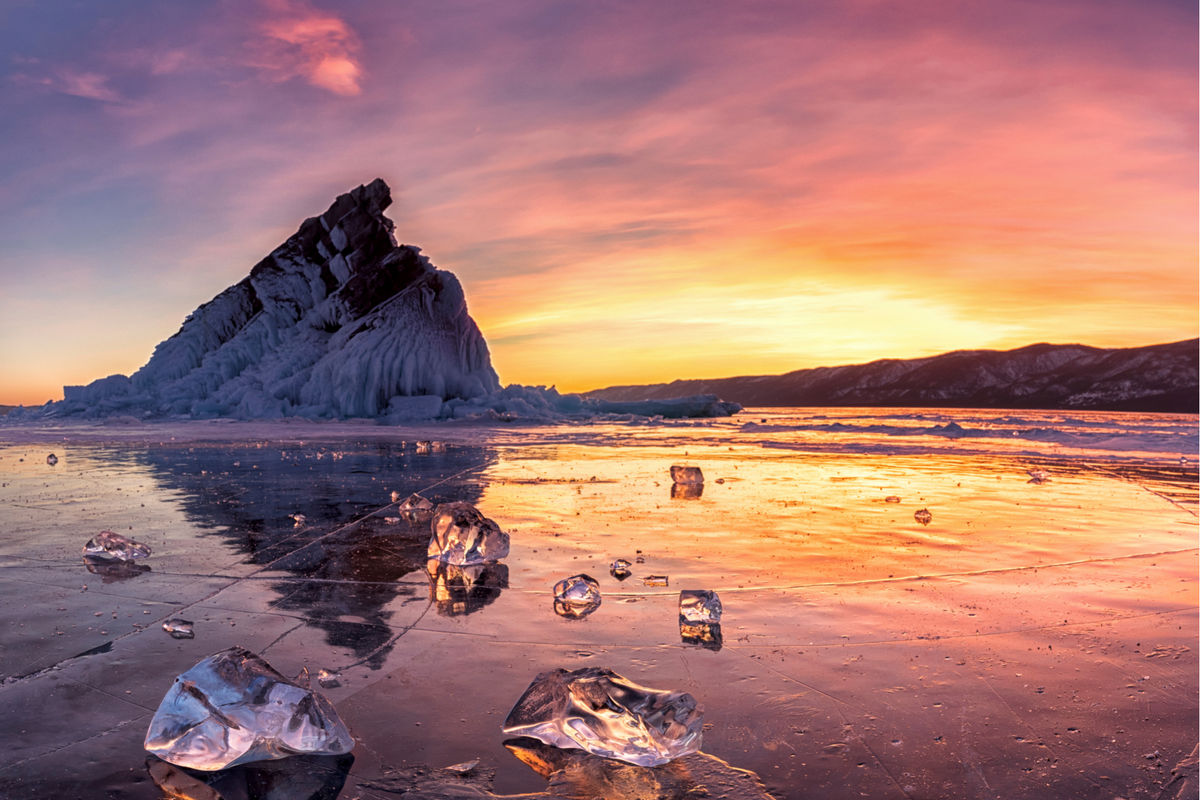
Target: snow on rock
(338,321)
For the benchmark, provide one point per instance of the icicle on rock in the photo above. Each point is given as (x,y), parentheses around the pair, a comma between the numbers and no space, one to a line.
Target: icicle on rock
(52,459)
(923,516)
(597,710)
(463,536)
(110,546)
(686,475)
(233,708)
(576,596)
(179,628)
(620,569)
(699,605)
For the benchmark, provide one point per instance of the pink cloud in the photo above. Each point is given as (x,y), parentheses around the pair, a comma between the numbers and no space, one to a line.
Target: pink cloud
(301,41)
(91,85)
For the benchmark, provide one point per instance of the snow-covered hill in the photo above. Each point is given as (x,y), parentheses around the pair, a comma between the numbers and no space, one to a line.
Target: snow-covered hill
(338,321)
(1156,378)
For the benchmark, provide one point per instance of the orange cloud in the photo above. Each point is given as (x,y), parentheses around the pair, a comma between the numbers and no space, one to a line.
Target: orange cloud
(304,42)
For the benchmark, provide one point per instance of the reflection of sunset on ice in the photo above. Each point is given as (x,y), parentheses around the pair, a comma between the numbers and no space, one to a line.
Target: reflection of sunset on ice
(1031,637)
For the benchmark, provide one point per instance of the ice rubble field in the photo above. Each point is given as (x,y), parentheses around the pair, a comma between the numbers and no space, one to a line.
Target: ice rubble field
(1032,641)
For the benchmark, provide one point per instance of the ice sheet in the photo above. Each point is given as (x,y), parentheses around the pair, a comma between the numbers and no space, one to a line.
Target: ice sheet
(1033,641)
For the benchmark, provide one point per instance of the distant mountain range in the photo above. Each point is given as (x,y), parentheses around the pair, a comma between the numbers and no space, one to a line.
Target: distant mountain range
(1160,377)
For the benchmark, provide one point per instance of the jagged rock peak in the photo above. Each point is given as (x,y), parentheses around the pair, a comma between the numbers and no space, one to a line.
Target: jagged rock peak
(338,321)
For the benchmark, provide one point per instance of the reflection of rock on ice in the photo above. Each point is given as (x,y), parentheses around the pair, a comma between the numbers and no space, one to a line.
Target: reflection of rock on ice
(463,590)
(686,491)
(573,773)
(705,634)
(110,571)
(295,778)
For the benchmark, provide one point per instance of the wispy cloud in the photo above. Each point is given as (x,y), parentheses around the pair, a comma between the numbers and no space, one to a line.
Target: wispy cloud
(301,41)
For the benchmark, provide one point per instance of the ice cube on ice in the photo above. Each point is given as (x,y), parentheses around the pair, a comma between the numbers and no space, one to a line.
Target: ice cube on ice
(463,536)
(576,596)
(233,707)
(597,710)
(699,605)
(110,546)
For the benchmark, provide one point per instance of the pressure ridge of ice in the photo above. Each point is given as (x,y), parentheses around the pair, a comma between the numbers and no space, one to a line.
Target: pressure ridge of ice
(233,707)
(597,710)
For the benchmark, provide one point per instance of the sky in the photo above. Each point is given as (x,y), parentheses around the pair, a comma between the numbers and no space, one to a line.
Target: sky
(629,191)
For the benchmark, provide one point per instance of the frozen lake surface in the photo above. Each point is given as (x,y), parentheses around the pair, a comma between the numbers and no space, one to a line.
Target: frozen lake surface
(1032,641)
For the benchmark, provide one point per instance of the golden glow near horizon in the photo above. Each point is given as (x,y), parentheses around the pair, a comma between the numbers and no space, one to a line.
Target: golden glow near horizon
(627,194)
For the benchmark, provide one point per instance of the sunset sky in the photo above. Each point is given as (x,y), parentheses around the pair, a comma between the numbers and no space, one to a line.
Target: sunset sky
(628,191)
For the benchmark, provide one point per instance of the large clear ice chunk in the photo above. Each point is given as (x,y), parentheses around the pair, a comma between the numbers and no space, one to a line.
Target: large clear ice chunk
(686,475)
(597,710)
(110,546)
(576,596)
(233,707)
(463,536)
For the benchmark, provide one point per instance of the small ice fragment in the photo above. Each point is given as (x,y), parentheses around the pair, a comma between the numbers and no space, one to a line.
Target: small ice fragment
(463,767)
(233,707)
(597,710)
(923,516)
(705,634)
(640,559)
(655,580)
(179,628)
(395,496)
(699,605)
(1038,476)
(620,569)
(110,546)
(687,491)
(299,519)
(686,475)
(391,520)
(437,447)
(414,504)
(328,679)
(891,498)
(463,536)
(720,480)
(52,459)
(576,596)
(424,448)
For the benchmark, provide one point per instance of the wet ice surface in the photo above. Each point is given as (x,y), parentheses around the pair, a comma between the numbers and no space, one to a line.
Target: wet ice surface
(1033,641)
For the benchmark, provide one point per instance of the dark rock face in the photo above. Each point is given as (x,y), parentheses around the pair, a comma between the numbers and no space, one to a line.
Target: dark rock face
(1156,378)
(338,321)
